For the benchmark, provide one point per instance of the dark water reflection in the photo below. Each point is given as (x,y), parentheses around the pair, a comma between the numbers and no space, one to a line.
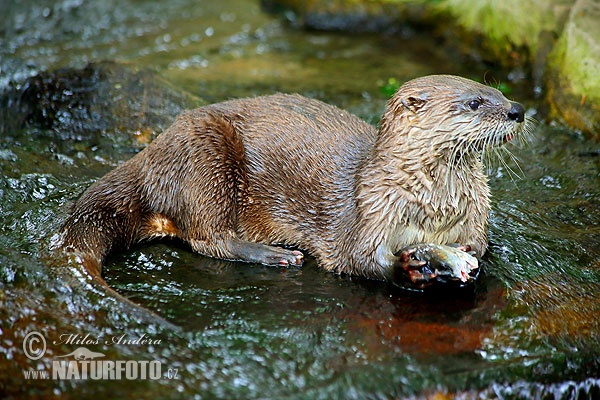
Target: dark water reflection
(530,328)
(304,329)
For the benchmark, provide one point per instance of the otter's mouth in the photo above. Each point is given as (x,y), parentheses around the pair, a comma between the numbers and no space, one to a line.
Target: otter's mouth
(499,139)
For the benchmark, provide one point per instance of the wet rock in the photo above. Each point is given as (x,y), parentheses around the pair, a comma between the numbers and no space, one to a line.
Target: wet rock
(573,78)
(102,101)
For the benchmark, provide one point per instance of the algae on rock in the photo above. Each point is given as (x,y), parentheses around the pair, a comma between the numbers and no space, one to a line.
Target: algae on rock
(573,78)
(509,24)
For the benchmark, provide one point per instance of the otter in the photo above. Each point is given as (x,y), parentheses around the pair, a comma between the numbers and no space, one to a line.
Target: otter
(253,179)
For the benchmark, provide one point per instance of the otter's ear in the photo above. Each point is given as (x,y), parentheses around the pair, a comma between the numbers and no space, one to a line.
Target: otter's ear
(414,104)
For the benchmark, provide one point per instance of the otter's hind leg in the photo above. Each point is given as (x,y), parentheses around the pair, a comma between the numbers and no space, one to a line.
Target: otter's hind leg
(235,249)
(215,184)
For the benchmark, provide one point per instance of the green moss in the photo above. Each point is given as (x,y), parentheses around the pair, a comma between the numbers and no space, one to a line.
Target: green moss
(509,22)
(390,87)
(577,58)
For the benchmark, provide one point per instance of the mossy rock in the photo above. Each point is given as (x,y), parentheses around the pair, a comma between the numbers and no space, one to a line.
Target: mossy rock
(573,78)
(513,31)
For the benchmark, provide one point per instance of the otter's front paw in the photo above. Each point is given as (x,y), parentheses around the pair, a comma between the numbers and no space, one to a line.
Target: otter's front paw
(424,264)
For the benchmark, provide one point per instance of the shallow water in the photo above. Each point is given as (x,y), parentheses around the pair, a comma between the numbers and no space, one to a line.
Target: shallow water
(529,328)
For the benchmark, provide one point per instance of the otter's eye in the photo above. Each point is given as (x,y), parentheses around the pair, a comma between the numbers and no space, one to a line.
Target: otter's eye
(474,104)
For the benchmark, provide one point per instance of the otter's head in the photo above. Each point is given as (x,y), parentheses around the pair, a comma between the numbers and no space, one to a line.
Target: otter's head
(453,114)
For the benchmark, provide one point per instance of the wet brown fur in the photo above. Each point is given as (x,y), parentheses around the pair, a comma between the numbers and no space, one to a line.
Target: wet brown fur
(232,179)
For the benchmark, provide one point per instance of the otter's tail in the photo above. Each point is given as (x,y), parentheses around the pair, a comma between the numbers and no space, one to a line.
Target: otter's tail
(92,235)
(106,217)
(94,230)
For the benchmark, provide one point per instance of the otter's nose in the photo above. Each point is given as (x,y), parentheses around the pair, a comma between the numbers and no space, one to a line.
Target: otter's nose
(517,112)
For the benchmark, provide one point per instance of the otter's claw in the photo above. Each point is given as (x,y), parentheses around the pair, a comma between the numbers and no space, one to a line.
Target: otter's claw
(291,258)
